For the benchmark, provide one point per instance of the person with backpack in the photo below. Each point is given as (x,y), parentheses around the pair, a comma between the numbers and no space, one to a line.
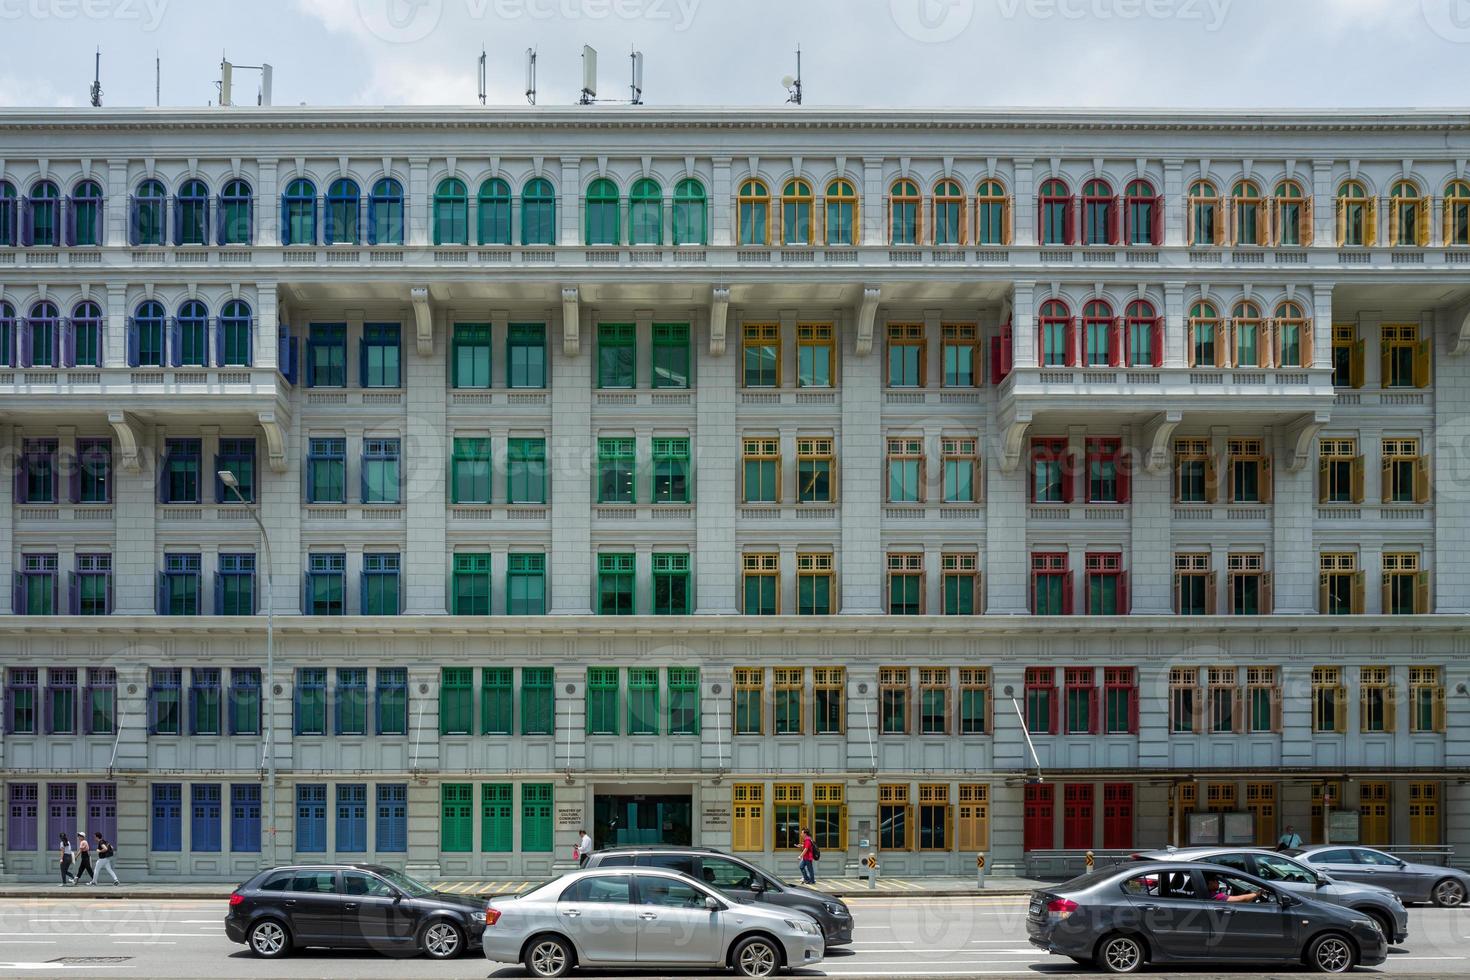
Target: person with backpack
(67,878)
(809,856)
(105,851)
(84,860)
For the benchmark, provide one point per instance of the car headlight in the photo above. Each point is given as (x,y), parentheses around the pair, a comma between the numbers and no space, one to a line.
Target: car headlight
(1366,923)
(807,926)
(833,908)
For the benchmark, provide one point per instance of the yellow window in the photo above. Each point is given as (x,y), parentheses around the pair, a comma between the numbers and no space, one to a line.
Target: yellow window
(974,817)
(747,817)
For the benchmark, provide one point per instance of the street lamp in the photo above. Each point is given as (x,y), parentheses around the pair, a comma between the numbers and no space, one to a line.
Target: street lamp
(229,480)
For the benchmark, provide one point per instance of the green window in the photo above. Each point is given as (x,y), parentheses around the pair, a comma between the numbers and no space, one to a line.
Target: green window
(311,701)
(494,214)
(101,701)
(538,701)
(525,469)
(526,351)
(615,461)
(972,710)
(642,700)
(617,355)
(671,584)
(456,817)
(496,701)
(470,471)
(451,215)
(536,818)
(959,594)
(760,595)
(671,471)
(615,585)
(671,355)
(646,213)
(380,355)
(683,700)
(602,213)
(392,701)
(602,701)
(689,213)
(525,585)
(496,818)
(538,212)
(471,585)
(352,701)
(470,359)
(456,700)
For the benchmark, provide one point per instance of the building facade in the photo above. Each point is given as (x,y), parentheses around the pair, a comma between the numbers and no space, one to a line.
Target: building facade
(947,481)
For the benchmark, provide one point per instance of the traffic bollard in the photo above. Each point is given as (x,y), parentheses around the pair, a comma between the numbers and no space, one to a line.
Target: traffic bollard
(980,870)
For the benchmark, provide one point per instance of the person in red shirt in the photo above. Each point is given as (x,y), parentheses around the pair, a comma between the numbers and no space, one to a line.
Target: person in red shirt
(808,858)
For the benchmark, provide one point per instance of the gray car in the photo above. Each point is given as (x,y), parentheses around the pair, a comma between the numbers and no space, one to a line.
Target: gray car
(644,918)
(1380,904)
(1445,887)
(1191,911)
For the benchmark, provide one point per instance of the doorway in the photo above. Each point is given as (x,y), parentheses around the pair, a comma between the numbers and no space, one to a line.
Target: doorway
(623,820)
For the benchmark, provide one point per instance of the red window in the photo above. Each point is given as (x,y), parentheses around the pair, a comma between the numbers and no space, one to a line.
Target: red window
(1143,215)
(1120,701)
(1100,224)
(1143,336)
(1037,833)
(1077,816)
(1081,699)
(1056,214)
(1041,700)
(1052,478)
(1107,472)
(1107,584)
(1001,354)
(1117,816)
(1051,584)
(1056,335)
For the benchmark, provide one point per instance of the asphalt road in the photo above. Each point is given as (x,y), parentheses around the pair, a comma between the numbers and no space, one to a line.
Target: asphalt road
(895,937)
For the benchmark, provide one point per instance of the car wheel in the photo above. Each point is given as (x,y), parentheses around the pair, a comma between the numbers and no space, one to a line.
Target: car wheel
(756,957)
(1385,925)
(269,939)
(548,957)
(1449,893)
(442,940)
(1121,954)
(1331,953)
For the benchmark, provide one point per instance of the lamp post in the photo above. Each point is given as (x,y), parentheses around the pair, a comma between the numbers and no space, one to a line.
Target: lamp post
(229,480)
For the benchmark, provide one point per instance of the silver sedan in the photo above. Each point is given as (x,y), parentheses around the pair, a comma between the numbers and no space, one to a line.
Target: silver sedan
(1445,887)
(644,918)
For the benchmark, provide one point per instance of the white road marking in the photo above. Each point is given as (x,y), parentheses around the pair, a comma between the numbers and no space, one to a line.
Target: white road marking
(145,942)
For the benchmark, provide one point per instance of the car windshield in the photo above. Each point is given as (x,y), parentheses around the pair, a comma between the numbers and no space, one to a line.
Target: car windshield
(414,887)
(1274,868)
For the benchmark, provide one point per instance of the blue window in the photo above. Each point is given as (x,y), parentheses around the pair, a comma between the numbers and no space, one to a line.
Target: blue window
(311,817)
(392,701)
(178,586)
(165,685)
(352,703)
(235,456)
(325,585)
(342,204)
(204,803)
(145,214)
(92,477)
(245,818)
(36,593)
(244,700)
(234,585)
(298,213)
(8,213)
(351,817)
(380,471)
(379,355)
(40,341)
(392,817)
(234,341)
(36,481)
(180,482)
(380,584)
(146,335)
(494,205)
(7,329)
(326,356)
(204,701)
(84,217)
(451,213)
(538,213)
(311,701)
(191,213)
(188,340)
(168,817)
(42,226)
(236,214)
(83,345)
(385,213)
(326,471)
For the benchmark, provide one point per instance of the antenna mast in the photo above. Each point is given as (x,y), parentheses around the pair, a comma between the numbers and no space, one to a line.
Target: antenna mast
(637,87)
(531,75)
(157,80)
(97,81)
(482,75)
(589,75)
(793,83)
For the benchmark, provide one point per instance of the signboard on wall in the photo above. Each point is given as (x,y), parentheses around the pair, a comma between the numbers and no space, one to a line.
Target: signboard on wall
(1204,828)
(1240,828)
(570,816)
(714,818)
(1342,827)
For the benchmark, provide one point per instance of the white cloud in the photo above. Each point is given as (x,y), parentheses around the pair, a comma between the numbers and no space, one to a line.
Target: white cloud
(22,92)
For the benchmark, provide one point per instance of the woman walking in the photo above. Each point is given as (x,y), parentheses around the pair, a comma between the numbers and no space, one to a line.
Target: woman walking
(84,860)
(67,878)
(105,850)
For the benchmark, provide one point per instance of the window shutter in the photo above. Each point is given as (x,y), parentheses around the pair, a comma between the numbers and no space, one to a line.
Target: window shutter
(161,590)
(996,376)
(1115,221)
(1438,710)
(1211,587)
(1156,221)
(1030,596)
(1384,369)
(1069,220)
(1385,471)
(1357,479)
(1266,603)
(68,341)
(1421,227)
(24,342)
(175,342)
(1212,481)
(1237,710)
(1356,360)
(1358,603)
(1322,593)
(1339,697)
(1189,220)
(1341,222)
(1370,222)
(1178,586)
(1421,480)
(1133,709)
(1073,328)
(1156,341)
(1115,342)
(73,594)
(1066,600)
(1125,476)
(1421,363)
(1093,719)
(1393,222)
(1268,480)
(1384,590)
(1422,600)
(1323,481)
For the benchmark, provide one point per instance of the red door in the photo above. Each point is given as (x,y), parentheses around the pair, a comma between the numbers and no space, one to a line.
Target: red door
(1117,816)
(1077,816)
(1040,808)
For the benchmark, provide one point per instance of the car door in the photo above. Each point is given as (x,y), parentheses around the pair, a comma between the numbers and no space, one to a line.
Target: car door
(374,914)
(1285,873)
(314,908)
(599,916)
(1341,863)
(675,925)
(731,878)
(1169,910)
(1256,930)
(1411,882)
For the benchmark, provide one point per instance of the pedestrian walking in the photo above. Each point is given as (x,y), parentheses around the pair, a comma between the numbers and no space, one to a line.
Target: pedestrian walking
(84,860)
(67,878)
(584,848)
(105,851)
(808,858)
(1290,839)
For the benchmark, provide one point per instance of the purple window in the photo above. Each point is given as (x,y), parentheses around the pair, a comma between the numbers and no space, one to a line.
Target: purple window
(102,809)
(61,812)
(20,826)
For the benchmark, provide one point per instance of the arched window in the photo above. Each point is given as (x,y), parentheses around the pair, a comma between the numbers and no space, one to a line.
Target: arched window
(1142,335)
(493,204)
(1205,348)
(689,213)
(236,214)
(992,214)
(646,213)
(40,341)
(949,214)
(1143,214)
(84,223)
(1056,225)
(1247,213)
(538,212)
(602,212)
(1057,339)
(145,222)
(9,212)
(1206,227)
(42,225)
(1099,213)
(7,335)
(81,343)
(343,199)
(796,213)
(841,213)
(189,338)
(1099,334)
(1293,217)
(1247,335)
(903,213)
(385,213)
(1357,217)
(1456,213)
(753,213)
(235,334)
(451,213)
(191,213)
(1408,217)
(298,213)
(1292,332)
(145,335)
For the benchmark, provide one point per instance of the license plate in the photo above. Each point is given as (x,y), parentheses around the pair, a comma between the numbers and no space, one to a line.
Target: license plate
(1035,908)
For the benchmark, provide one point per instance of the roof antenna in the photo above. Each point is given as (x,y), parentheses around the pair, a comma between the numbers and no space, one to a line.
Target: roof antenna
(157,80)
(97,81)
(637,86)
(793,82)
(531,75)
(482,75)
(589,75)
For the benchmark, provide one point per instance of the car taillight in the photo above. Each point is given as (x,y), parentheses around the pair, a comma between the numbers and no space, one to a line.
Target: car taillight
(492,916)
(236,898)
(1061,907)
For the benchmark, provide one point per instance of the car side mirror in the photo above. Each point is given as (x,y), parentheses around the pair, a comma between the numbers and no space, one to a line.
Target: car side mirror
(758,886)
(712,903)
(397,897)
(1286,900)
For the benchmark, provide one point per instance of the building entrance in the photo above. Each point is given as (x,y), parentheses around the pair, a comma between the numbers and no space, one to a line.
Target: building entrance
(624,820)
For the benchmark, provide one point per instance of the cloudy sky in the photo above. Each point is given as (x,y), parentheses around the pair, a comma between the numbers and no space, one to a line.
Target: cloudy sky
(700,52)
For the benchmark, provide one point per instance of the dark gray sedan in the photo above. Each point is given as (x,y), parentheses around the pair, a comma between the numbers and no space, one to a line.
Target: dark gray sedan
(1445,887)
(1187,911)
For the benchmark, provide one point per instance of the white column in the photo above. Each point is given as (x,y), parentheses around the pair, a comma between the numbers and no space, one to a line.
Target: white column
(872,203)
(1174,203)
(420,203)
(722,204)
(267,326)
(1023,323)
(1174,325)
(1450,477)
(115,326)
(267,205)
(861,478)
(1023,204)
(716,461)
(425,459)
(135,562)
(572,451)
(570,195)
(115,231)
